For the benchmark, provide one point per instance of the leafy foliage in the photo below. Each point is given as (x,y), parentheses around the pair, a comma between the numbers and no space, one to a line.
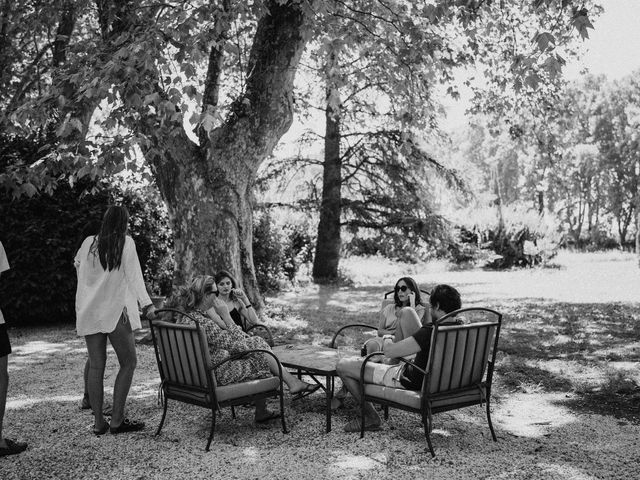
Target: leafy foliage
(119,77)
(482,238)
(282,244)
(42,233)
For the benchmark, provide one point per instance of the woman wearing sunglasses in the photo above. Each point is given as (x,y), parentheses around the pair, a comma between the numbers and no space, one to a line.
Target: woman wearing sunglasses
(405,294)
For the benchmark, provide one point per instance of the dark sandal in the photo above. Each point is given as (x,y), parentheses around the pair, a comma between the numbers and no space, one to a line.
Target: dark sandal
(305,392)
(13,447)
(101,431)
(270,416)
(127,426)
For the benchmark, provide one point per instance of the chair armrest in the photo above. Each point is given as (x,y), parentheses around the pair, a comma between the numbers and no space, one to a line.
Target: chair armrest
(408,362)
(332,344)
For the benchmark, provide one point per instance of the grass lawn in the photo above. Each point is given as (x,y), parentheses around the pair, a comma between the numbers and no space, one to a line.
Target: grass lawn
(566,401)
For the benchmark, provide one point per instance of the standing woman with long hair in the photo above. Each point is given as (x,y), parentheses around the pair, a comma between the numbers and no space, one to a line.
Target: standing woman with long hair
(109,276)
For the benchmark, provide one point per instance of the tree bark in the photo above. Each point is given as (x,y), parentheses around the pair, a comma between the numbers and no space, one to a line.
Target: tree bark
(207,188)
(327,254)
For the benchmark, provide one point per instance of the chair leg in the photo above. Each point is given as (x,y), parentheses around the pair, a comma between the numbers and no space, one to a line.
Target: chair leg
(386,412)
(427,421)
(284,425)
(493,433)
(213,427)
(164,414)
(362,417)
(233,413)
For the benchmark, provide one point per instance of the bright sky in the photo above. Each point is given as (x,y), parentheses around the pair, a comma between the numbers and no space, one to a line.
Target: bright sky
(614,44)
(613,48)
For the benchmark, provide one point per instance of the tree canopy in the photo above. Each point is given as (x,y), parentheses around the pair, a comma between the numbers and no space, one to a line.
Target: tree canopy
(205,90)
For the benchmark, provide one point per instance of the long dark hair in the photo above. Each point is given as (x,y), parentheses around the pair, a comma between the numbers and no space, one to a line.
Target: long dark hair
(109,242)
(413,286)
(91,228)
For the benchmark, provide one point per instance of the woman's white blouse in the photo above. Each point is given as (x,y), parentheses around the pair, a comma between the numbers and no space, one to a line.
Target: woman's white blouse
(102,295)
(4,266)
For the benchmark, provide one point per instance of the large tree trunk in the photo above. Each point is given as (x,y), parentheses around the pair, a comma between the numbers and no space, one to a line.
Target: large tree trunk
(327,254)
(208,188)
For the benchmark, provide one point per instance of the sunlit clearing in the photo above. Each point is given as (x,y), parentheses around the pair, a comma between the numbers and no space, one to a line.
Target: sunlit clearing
(292,322)
(250,455)
(355,462)
(566,472)
(532,418)
(39,347)
(29,402)
(145,389)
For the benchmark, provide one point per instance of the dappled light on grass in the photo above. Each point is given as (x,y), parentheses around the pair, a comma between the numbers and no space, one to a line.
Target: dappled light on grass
(566,472)
(17,404)
(285,322)
(40,347)
(528,415)
(251,454)
(145,388)
(357,462)
(38,352)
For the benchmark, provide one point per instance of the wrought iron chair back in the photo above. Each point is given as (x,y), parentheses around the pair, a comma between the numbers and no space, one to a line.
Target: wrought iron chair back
(459,371)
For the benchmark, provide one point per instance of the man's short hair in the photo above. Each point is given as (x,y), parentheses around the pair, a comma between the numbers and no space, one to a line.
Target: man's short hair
(446,297)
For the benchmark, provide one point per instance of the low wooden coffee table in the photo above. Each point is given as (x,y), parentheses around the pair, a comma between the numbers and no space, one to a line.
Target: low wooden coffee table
(312,360)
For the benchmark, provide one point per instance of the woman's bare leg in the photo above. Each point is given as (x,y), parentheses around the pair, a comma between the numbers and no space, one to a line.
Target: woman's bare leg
(349,371)
(294,383)
(97,349)
(408,324)
(124,345)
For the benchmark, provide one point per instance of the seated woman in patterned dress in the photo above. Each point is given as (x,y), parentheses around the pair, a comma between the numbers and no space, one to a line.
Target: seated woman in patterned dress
(225,338)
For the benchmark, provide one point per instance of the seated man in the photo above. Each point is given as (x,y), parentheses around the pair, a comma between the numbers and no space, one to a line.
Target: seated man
(416,340)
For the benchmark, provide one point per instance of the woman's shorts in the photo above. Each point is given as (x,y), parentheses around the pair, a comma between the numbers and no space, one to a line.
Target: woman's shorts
(5,344)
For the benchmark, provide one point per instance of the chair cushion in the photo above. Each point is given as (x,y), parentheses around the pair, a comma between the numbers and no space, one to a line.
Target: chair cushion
(411,398)
(237,390)
(188,395)
(223,393)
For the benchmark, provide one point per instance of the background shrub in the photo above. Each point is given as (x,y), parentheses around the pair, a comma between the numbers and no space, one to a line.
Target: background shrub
(480,233)
(282,244)
(41,236)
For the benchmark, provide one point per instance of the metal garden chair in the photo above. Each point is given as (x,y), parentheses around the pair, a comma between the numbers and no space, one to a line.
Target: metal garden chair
(459,371)
(187,375)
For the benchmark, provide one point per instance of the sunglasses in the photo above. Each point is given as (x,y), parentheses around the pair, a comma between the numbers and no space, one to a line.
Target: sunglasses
(403,288)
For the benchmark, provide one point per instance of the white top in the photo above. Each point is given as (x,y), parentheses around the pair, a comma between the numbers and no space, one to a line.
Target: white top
(4,266)
(102,295)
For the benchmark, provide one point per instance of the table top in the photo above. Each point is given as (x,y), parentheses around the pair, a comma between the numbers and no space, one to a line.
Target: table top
(311,358)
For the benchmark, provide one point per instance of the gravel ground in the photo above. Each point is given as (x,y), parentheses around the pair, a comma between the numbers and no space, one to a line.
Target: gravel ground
(538,436)
(542,434)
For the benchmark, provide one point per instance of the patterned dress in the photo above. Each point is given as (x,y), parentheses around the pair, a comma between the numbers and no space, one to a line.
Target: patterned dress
(223,343)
